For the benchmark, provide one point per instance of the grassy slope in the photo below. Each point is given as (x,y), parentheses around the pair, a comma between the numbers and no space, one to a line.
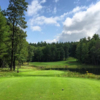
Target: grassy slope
(49,88)
(70,62)
(55,64)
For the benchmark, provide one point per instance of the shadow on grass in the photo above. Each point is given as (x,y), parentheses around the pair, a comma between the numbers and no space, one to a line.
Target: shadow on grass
(80,70)
(73,63)
(36,75)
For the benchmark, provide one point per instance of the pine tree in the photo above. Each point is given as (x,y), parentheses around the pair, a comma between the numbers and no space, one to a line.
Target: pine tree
(15,13)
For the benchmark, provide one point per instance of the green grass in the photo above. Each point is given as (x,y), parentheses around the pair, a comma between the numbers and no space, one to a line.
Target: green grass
(31,72)
(33,84)
(69,63)
(55,64)
(49,88)
(42,73)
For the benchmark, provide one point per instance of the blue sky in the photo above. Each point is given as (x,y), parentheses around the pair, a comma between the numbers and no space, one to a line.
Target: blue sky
(60,20)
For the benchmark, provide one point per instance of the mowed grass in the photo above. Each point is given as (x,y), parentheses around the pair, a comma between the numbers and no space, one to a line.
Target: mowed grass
(33,84)
(42,73)
(69,63)
(49,88)
(56,64)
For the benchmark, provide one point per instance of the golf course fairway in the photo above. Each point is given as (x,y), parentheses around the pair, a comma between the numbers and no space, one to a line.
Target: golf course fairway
(49,88)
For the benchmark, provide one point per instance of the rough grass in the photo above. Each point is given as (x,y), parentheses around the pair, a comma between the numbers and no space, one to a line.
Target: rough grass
(31,71)
(49,88)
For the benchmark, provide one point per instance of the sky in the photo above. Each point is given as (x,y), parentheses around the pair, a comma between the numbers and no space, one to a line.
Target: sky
(60,20)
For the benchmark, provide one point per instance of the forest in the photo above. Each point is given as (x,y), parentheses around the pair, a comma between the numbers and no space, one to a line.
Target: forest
(87,50)
(14,49)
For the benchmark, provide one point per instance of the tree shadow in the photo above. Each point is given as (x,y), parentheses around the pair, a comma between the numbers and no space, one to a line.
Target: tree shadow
(35,75)
(95,71)
(73,63)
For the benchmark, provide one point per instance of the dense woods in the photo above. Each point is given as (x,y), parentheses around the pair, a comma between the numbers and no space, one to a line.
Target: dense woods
(87,50)
(53,52)
(14,49)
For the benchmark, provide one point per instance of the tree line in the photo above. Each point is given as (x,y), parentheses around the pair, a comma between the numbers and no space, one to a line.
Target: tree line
(87,51)
(45,52)
(14,49)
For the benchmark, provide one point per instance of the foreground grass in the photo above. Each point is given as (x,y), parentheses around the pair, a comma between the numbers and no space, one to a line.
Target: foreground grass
(33,84)
(49,88)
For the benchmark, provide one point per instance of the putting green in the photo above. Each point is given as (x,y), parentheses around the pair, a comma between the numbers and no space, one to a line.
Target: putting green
(49,88)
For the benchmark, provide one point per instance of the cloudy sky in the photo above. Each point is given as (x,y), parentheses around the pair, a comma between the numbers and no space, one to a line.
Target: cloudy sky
(60,20)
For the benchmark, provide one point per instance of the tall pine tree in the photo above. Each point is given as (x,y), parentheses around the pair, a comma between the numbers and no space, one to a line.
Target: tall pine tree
(15,14)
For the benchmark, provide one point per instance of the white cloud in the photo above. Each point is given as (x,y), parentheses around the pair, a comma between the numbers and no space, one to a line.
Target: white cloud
(82,24)
(51,41)
(37,20)
(35,7)
(43,1)
(77,9)
(68,22)
(41,20)
(36,28)
(56,1)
